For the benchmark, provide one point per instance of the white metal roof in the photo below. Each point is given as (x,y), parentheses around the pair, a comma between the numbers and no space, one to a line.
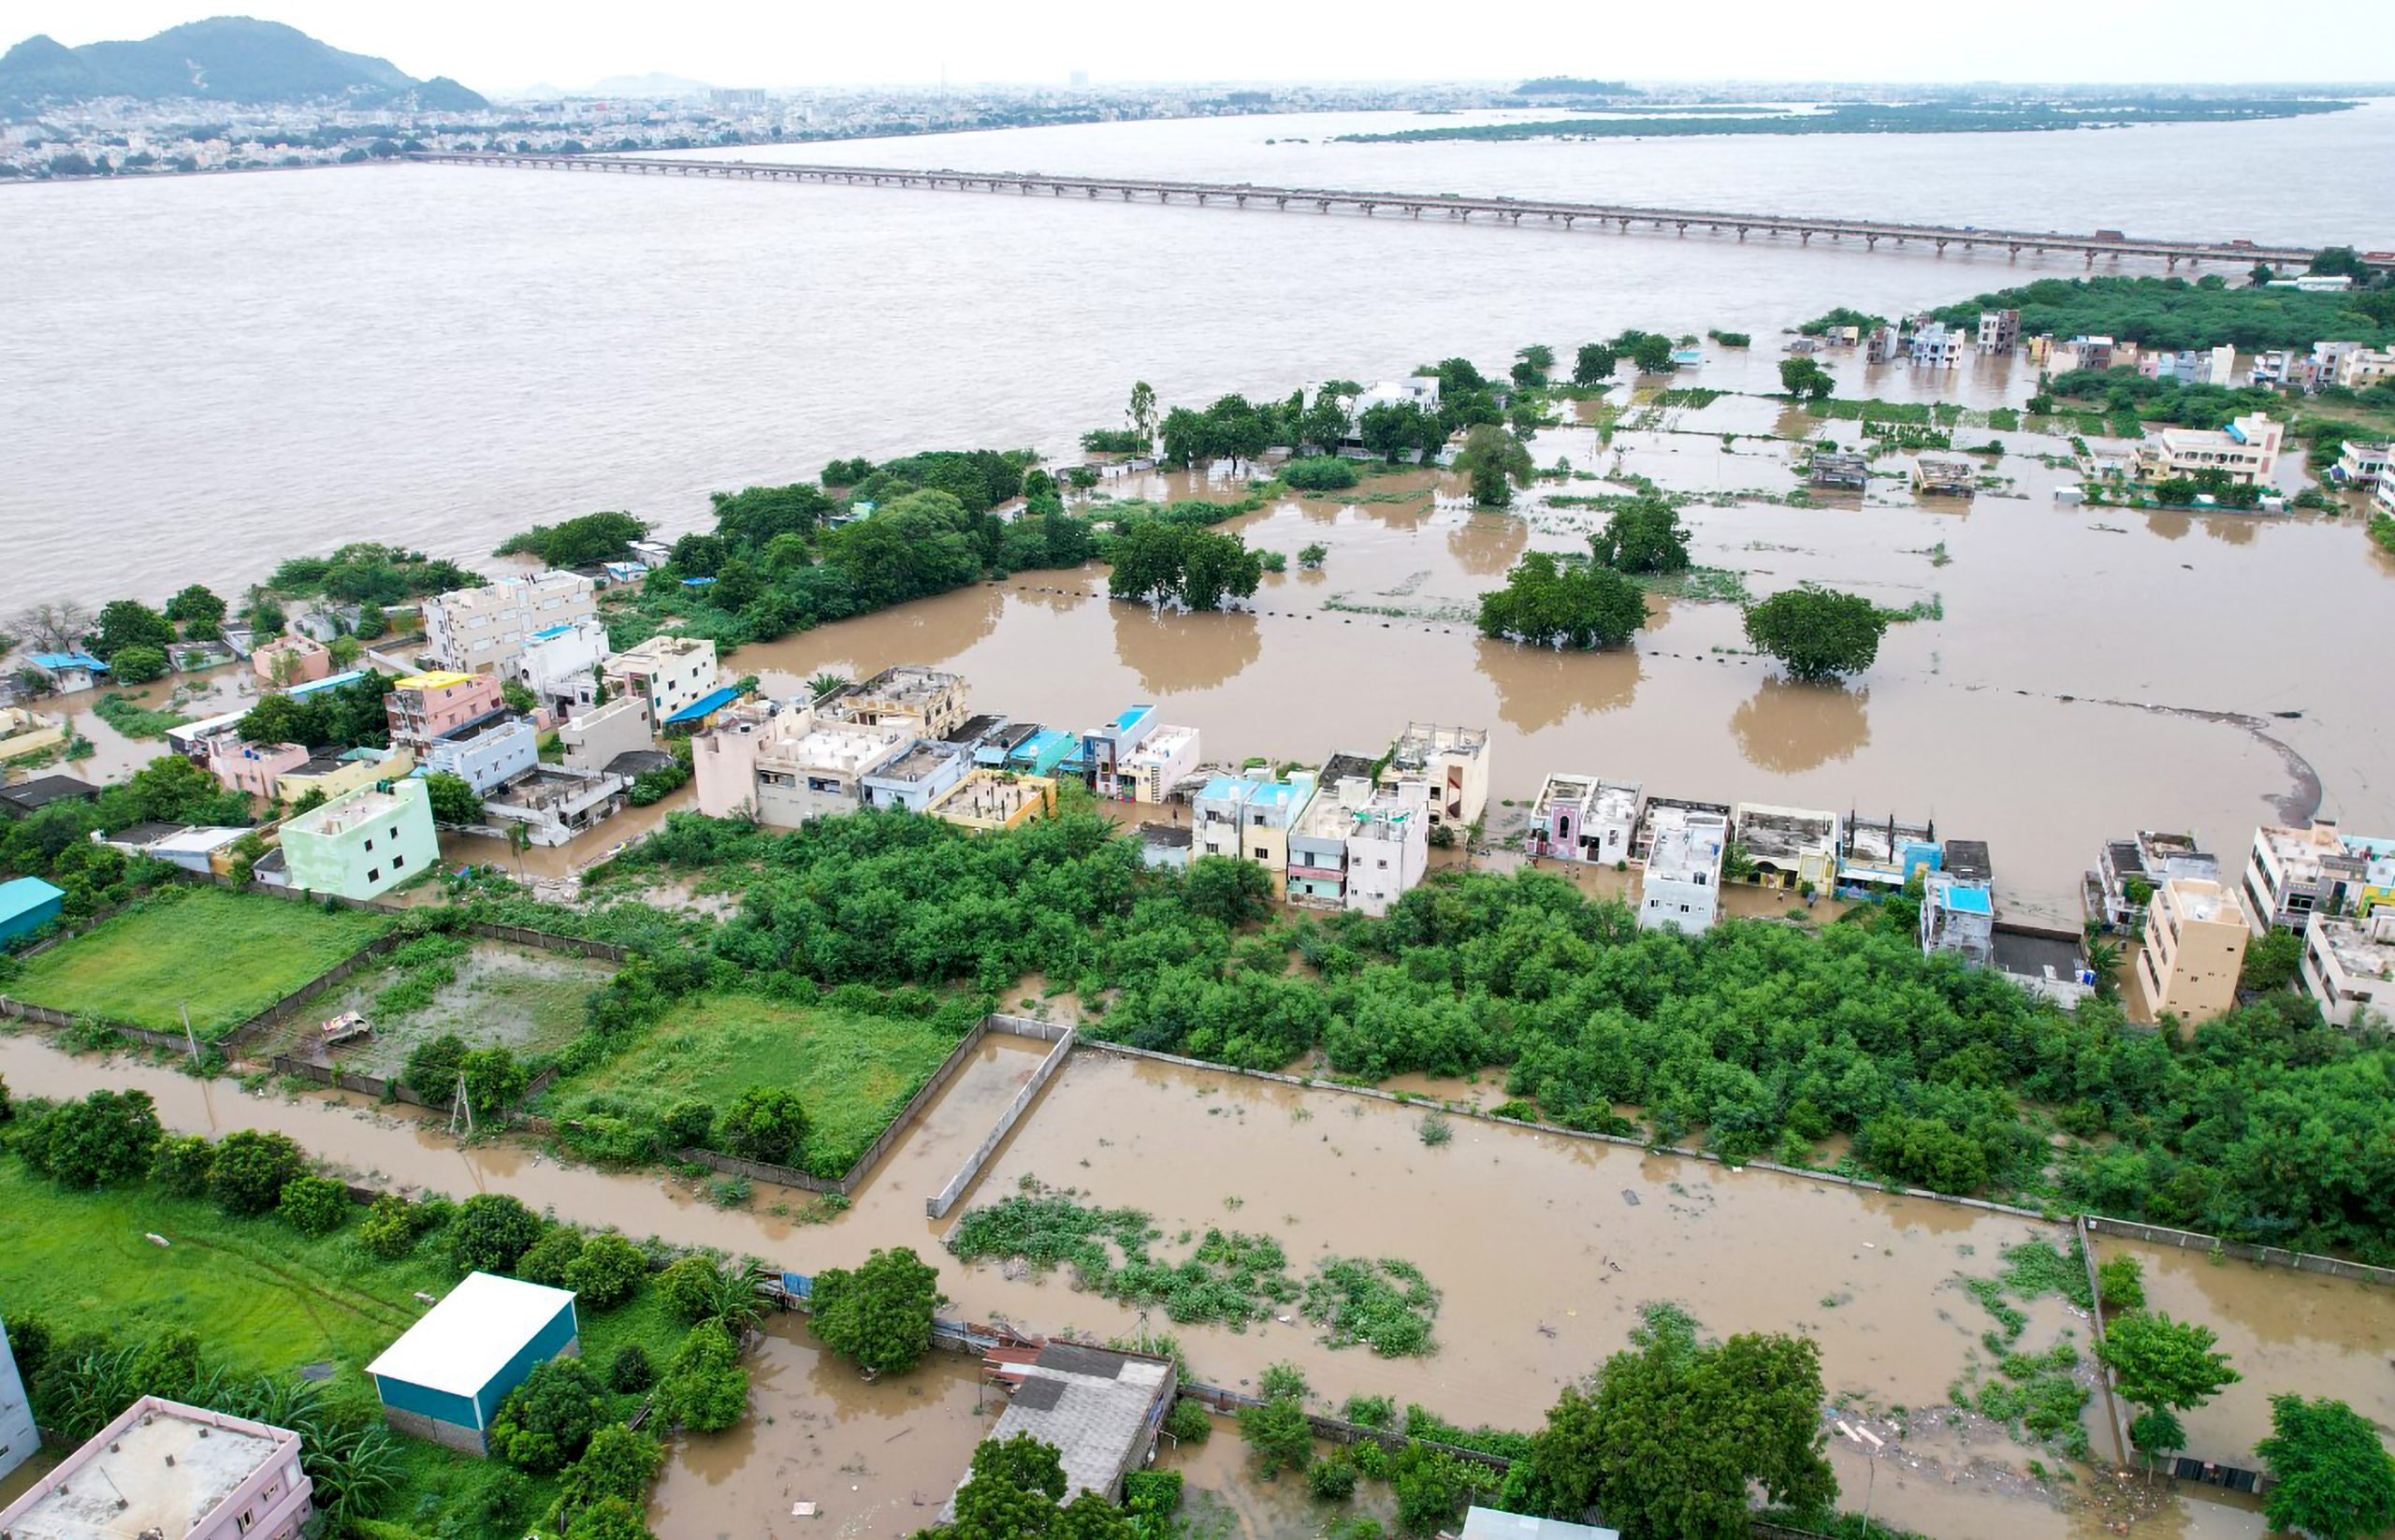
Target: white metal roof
(470,1335)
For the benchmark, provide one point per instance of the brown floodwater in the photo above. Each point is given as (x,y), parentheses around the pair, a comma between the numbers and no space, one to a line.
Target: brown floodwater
(1544,1249)
(2047,662)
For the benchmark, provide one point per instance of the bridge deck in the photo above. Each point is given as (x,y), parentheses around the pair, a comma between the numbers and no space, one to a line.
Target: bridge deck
(1240,195)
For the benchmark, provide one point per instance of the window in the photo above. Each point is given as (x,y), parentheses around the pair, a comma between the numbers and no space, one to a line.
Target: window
(1259,854)
(1683,909)
(374,874)
(398,861)
(370,843)
(395,831)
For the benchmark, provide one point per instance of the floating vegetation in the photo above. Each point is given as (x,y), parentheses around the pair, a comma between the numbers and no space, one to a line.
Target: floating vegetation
(1386,1305)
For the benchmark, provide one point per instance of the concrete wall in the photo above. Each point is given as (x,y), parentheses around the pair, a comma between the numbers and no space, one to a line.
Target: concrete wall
(946,1199)
(596,737)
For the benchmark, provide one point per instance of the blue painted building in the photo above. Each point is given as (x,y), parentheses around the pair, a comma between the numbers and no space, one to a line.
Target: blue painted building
(26,904)
(444,1378)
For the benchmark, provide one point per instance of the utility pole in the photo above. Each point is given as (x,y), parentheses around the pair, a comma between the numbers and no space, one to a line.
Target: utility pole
(462,1106)
(1870,1444)
(190,1038)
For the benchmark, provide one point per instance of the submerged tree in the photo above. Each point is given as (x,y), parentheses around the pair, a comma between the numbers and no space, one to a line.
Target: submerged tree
(1817,632)
(1547,604)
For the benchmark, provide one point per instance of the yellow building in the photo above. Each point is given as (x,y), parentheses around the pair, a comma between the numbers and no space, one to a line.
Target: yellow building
(337,776)
(2194,950)
(992,799)
(23,733)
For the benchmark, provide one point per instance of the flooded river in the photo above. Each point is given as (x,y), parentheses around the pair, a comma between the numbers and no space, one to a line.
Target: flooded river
(1542,1248)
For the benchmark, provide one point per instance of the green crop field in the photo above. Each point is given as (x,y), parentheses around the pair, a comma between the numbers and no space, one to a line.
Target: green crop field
(851,1071)
(225,956)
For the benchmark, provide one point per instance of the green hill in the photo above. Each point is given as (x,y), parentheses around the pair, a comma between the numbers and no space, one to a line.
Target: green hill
(226,59)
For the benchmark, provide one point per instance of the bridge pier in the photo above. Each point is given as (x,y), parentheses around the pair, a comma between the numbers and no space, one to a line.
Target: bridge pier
(1683,226)
(1280,203)
(1871,242)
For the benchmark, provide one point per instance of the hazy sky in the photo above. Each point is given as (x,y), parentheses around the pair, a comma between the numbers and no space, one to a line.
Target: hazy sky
(497,44)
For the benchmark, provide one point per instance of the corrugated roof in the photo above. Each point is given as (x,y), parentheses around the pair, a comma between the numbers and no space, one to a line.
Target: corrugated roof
(470,1335)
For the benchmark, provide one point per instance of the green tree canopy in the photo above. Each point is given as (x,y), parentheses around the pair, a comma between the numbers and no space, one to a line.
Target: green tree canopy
(878,1315)
(1645,537)
(1817,632)
(764,1123)
(581,542)
(129,623)
(2332,1477)
(544,1423)
(1497,462)
(108,1136)
(250,1168)
(453,800)
(2159,1362)
(1593,364)
(1546,604)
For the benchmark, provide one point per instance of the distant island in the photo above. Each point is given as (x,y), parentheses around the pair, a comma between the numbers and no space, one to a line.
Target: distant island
(1993,117)
(222,59)
(1572,85)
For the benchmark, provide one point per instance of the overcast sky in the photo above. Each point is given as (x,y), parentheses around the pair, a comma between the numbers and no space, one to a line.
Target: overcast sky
(500,44)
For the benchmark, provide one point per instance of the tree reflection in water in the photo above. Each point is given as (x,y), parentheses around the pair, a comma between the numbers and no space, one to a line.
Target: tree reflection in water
(1170,651)
(1789,727)
(1539,686)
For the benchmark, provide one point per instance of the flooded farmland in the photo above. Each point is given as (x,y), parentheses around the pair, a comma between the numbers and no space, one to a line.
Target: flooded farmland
(1542,1248)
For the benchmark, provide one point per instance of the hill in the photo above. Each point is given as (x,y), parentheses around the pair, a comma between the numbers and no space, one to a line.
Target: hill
(224,59)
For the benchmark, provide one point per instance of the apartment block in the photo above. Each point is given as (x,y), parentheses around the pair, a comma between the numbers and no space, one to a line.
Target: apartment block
(364,844)
(2348,966)
(1452,763)
(2247,449)
(1165,757)
(1682,886)
(1936,344)
(1791,846)
(783,764)
(2366,367)
(484,630)
(1249,818)
(594,737)
(1958,916)
(487,752)
(923,702)
(2000,330)
(173,1472)
(2291,873)
(560,663)
(1359,846)
(665,674)
(1104,750)
(423,706)
(2128,870)
(2193,950)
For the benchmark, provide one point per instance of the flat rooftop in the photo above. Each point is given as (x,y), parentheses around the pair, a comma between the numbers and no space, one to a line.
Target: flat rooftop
(2358,951)
(917,763)
(161,1467)
(835,746)
(438,679)
(345,813)
(1684,847)
(904,683)
(463,1342)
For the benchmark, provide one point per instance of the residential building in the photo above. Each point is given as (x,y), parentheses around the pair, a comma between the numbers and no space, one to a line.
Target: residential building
(2088,353)
(1958,916)
(23,733)
(1319,857)
(1419,390)
(1165,846)
(1481,1523)
(2383,497)
(2000,330)
(1791,846)
(19,798)
(1881,345)
(997,745)
(2247,449)
(330,776)
(1667,812)
(255,768)
(1104,750)
(2193,950)
(1682,885)
(556,803)
(19,1437)
(1099,1408)
(783,765)
(331,681)
(915,779)
(1878,858)
(445,1376)
(1557,816)
(69,672)
(1945,475)
(423,706)
(2220,365)
(1249,818)
(2292,873)
(1388,844)
(923,702)
(26,904)
(1839,468)
(592,738)
(559,662)
(1043,753)
(1936,344)
(994,799)
(485,752)
(363,844)
(2348,966)
(484,630)
(2366,367)
(164,1471)
(201,850)
(289,661)
(2128,870)
(665,674)
(2360,464)
(1453,761)
(1165,757)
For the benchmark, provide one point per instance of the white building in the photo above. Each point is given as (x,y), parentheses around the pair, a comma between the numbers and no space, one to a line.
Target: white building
(664,672)
(1581,818)
(1389,847)
(558,662)
(484,752)
(2348,966)
(593,736)
(1937,344)
(19,1438)
(1452,762)
(1166,757)
(2291,873)
(783,764)
(484,630)
(2247,449)
(2365,367)
(1682,887)
(175,1472)
(2360,464)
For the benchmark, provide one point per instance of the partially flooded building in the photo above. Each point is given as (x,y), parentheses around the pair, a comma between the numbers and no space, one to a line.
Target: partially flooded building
(1249,818)
(1945,475)
(1359,846)
(1682,885)
(783,764)
(925,701)
(1582,818)
(1452,762)
(1790,847)
(1099,1408)
(1878,856)
(1958,918)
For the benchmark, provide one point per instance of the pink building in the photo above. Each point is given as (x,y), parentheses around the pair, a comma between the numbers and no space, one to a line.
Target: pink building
(289,661)
(257,768)
(173,1471)
(423,706)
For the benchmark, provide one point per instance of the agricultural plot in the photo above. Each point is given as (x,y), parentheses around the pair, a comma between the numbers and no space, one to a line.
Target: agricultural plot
(490,993)
(222,955)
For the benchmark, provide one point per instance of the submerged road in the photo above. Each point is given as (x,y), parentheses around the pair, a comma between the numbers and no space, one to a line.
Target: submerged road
(1865,233)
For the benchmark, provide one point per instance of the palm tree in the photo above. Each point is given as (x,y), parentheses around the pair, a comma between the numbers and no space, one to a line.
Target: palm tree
(2104,961)
(734,1300)
(824,683)
(518,836)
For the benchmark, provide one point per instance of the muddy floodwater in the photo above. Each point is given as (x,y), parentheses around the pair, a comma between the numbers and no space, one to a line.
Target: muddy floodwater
(1542,1247)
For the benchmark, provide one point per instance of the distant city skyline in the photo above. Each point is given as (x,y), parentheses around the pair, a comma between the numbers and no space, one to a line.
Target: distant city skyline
(513,47)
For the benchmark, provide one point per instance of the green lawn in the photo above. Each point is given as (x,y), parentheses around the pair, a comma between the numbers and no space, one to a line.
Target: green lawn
(853,1071)
(262,1299)
(224,956)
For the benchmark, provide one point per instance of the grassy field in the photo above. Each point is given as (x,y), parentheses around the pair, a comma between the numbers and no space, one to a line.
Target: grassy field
(488,993)
(225,956)
(262,1299)
(853,1071)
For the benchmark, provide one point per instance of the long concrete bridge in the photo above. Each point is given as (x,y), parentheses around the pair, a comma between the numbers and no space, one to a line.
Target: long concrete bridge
(1864,233)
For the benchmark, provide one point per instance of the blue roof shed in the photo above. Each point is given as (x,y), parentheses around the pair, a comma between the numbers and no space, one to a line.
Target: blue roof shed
(444,1378)
(27,906)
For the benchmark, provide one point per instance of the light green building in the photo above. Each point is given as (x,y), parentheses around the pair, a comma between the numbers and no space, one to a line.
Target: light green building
(363,844)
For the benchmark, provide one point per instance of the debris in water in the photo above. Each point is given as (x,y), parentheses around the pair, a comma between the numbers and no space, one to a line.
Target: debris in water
(802,1510)
(1630,1197)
